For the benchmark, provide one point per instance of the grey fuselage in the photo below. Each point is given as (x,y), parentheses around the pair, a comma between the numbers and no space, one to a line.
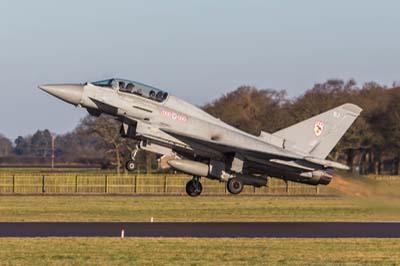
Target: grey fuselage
(172,114)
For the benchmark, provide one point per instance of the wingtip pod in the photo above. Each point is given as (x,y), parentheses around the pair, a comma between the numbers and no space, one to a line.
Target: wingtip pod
(350,107)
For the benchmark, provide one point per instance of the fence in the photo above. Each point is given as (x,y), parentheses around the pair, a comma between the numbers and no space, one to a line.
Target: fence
(387,179)
(95,183)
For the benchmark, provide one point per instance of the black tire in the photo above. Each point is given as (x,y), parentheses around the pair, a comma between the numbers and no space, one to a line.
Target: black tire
(192,190)
(234,186)
(130,165)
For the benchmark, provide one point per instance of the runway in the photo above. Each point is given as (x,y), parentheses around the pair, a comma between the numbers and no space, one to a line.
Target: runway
(247,230)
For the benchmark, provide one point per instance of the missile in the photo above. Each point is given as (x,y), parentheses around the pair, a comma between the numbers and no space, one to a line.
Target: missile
(190,167)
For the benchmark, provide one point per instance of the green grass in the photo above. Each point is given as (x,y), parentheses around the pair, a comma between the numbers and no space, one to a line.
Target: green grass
(183,209)
(189,251)
(192,251)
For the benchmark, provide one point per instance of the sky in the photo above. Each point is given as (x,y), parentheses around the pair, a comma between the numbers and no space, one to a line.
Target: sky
(196,50)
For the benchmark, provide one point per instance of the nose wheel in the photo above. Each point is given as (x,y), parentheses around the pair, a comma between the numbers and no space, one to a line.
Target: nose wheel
(130,165)
(194,187)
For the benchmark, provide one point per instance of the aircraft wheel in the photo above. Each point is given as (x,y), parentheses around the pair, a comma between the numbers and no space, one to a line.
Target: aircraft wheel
(234,186)
(130,165)
(194,188)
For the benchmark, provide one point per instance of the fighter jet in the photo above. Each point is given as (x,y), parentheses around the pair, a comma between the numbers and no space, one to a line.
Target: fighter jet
(205,146)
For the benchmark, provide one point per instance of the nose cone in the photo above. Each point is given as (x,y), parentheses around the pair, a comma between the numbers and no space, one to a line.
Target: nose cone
(70,93)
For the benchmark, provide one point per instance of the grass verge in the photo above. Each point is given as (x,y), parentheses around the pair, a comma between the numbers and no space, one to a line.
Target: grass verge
(189,251)
(202,209)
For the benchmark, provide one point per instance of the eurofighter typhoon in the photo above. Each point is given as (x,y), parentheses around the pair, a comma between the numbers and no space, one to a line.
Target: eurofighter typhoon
(204,146)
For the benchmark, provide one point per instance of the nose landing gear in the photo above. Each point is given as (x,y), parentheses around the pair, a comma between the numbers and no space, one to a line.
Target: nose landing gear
(130,164)
(194,187)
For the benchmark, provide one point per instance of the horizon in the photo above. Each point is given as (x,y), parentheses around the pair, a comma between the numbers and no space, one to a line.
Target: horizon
(185,48)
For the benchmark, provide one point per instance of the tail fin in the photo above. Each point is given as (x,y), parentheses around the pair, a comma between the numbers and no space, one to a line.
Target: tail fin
(318,135)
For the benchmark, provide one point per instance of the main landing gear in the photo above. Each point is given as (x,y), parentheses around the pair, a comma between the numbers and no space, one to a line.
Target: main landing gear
(130,164)
(234,186)
(194,187)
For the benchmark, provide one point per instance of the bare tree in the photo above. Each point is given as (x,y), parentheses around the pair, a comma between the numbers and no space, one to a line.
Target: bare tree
(5,146)
(107,129)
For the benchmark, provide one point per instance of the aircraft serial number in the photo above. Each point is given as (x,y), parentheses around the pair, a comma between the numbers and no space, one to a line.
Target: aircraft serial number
(174,116)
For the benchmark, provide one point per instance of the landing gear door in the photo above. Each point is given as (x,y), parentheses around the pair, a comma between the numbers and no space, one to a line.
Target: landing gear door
(128,130)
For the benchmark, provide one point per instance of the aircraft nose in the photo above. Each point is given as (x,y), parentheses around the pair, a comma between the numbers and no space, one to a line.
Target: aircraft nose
(70,93)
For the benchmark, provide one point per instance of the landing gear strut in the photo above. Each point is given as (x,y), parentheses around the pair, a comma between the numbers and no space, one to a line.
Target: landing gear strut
(130,164)
(234,186)
(194,187)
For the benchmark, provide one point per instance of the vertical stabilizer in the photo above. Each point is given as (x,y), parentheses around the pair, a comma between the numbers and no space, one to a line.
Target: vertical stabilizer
(318,135)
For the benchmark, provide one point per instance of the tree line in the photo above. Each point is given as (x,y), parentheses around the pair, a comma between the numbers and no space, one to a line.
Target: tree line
(372,145)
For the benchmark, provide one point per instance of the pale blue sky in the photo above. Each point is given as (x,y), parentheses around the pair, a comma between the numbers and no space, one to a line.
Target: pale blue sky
(197,50)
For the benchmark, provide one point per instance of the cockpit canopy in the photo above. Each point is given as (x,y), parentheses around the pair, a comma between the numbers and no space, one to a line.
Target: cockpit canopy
(133,87)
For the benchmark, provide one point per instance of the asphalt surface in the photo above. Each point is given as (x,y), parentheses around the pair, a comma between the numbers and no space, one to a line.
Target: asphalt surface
(267,229)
